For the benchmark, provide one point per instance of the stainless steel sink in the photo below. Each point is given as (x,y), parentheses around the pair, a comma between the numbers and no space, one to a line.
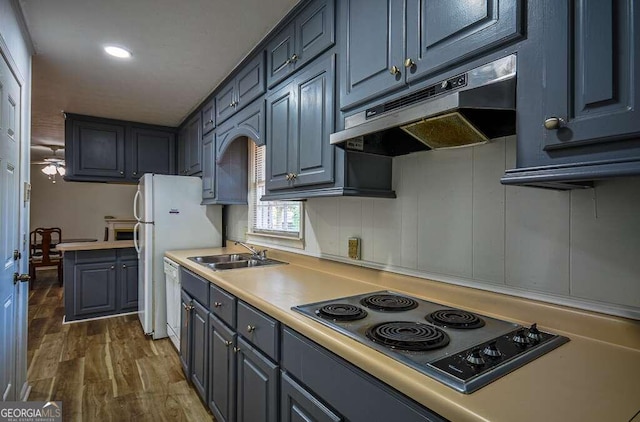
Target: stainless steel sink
(233,261)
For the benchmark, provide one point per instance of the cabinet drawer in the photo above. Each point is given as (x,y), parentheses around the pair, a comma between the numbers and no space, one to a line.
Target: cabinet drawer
(223,305)
(259,329)
(196,286)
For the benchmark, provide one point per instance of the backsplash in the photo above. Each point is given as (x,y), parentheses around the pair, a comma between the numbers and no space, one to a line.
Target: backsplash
(453,221)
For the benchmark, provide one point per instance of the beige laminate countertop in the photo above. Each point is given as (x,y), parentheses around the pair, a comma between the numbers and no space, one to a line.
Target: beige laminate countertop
(594,377)
(92,246)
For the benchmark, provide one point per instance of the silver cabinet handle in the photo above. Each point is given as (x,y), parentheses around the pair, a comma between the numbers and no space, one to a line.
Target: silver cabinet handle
(553,123)
(394,70)
(409,62)
(187,307)
(217,304)
(251,328)
(236,349)
(228,343)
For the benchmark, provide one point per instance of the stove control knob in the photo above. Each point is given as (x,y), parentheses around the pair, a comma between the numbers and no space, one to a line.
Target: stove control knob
(475,357)
(445,85)
(534,334)
(521,338)
(491,350)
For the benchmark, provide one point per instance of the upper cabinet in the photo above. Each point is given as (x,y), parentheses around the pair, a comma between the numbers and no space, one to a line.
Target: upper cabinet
(299,122)
(589,124)
(247,85)
(208,116)
(105,150)
(310,33)
(152,151)
(193,165)
(383,51)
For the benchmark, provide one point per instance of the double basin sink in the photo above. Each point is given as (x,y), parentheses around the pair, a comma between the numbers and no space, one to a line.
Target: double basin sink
(233,261)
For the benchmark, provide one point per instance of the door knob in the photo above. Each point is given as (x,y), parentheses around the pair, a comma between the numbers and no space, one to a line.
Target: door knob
(16,255)
(409,62)
(553,123)
(394,70)
(20,278)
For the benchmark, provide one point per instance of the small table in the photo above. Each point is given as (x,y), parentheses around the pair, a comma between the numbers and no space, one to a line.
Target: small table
(65,240)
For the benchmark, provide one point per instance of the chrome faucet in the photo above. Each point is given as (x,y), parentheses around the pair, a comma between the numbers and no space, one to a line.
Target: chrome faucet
(256,253)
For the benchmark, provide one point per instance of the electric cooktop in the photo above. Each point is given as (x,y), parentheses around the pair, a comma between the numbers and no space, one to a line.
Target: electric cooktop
(463,350)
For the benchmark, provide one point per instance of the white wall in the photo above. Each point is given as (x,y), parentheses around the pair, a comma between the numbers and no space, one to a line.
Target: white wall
(77,208)
(453,221)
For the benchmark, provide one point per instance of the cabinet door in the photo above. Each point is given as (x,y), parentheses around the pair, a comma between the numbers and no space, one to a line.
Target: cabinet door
(297,404)
(98,149)
(208,167)
(199,351)
(185,332)
(445,34)
(222,371)
(257,389)
(183,150)
(314,31)
(280,55)
(593,72)
(209,116)
(152,151)
(250,83)
(281,124)
(128,284)
(311,150)
(373,45)
(225,102)
(94,288)
(194,161)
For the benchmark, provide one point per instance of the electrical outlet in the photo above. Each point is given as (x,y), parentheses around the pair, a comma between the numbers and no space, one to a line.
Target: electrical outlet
(354,248)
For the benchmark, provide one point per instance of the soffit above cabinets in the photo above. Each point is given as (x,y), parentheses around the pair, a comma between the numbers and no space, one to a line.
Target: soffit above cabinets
(181,51)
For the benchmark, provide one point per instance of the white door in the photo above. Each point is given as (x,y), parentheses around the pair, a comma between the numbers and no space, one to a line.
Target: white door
(9,229)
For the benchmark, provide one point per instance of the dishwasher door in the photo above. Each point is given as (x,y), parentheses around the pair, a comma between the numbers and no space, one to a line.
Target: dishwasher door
(172,277)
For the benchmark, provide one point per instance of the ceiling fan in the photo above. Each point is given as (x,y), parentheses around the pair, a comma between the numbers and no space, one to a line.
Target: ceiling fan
(53,165)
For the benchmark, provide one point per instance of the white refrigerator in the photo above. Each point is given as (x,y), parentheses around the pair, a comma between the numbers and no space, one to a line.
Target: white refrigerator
(169,217)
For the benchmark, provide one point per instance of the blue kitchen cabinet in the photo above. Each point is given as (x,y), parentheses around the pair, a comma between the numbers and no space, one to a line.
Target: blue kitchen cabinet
(193,153)
(151,151)
(246,85)
(222,370)
(208,116)
(208,167)
(199,374)
(94,148)
(100,283)
(257,385)
(186,308)
(183,150)
(298,404)
(586,83)
(107,150)
(386,45)
(311,33)
(300,118)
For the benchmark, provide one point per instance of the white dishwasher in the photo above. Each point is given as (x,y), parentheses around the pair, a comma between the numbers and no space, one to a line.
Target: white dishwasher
(172,276)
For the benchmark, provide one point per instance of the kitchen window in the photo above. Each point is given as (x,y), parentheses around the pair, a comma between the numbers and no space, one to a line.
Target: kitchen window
(278,219)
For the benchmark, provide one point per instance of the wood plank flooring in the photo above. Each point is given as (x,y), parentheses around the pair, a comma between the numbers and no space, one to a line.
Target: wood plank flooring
(104,370)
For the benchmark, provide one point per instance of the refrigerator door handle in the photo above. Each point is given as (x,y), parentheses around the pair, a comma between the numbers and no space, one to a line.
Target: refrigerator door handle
(135,205)
(135,237)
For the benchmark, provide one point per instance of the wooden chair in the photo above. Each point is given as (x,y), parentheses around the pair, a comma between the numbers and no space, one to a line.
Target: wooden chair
(43,252)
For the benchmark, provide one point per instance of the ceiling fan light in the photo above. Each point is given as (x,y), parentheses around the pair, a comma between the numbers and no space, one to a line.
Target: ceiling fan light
(61,171)
(49,170)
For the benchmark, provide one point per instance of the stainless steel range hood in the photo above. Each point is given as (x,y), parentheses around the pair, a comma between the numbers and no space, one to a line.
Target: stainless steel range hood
(467,109)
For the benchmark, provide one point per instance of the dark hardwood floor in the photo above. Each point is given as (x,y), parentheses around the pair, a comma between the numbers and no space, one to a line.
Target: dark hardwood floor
(103,370)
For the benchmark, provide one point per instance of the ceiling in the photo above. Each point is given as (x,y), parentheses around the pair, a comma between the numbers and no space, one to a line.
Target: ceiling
(181,51)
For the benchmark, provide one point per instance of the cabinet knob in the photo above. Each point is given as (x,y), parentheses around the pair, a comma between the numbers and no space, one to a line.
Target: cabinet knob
(135,173)
(231,104)
(293,176)
(122,172)
(217,304)
(113,267)
(187,307)
(124,265)
(409,63)
(228,343)
(294,58)
(394,70)
(553,123)
(236,349)
(288,176)
(251,328)
(210,121)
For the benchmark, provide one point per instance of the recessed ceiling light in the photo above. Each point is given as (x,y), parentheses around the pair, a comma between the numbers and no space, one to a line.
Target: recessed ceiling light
(119,52)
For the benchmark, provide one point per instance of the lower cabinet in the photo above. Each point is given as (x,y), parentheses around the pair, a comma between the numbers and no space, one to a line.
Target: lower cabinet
(257,385)
(185,332)
(298,404)
(100,283)
(222,370)
(200,348)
